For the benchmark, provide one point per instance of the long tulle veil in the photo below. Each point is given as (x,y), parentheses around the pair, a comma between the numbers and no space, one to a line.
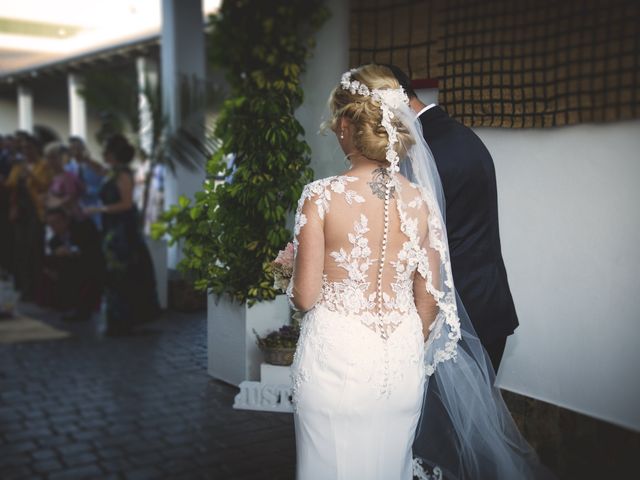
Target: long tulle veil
(466,430)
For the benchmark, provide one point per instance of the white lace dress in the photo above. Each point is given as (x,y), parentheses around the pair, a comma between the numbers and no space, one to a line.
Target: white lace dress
(358,372)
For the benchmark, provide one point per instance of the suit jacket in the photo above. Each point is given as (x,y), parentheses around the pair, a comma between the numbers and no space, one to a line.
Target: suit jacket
(469,182)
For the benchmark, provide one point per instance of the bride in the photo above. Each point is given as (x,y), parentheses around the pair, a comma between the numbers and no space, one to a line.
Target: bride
(389,378)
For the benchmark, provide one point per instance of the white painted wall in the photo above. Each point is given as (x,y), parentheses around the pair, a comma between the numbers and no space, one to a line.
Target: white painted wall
(330,59)
(51,116)
(570,231)
(8,114)
(55,114)
(570,226)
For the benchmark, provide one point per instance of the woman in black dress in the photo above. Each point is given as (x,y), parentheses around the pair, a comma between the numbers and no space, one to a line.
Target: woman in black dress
(130,291)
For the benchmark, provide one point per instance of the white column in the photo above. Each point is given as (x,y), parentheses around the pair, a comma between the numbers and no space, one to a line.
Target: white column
(25,108)
(77,107)
(147,71)
(329,60)
(182,57)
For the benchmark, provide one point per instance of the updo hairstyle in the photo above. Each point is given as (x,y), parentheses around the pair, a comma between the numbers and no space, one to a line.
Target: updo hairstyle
(369,136)
(118,146)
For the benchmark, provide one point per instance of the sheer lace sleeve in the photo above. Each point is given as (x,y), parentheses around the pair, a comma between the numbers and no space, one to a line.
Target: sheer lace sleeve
(308,242)
(428,272)
(425,304)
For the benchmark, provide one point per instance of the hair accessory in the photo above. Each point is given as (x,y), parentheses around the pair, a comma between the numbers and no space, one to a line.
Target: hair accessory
(389,98)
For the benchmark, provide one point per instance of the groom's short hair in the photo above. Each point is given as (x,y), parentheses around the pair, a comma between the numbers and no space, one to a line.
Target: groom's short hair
(403,80)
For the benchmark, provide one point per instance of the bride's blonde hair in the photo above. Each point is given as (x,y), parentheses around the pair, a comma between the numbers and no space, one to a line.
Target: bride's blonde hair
(369,136)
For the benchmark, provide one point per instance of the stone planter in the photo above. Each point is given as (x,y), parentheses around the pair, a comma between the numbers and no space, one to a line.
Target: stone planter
(233,355)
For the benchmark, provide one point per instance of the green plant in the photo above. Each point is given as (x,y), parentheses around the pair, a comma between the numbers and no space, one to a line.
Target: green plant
(234,228)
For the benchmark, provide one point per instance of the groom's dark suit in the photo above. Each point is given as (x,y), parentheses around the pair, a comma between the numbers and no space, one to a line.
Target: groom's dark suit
(469,182)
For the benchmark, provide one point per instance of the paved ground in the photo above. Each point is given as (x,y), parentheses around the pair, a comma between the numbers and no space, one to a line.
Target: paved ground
(143,407)
(140,407)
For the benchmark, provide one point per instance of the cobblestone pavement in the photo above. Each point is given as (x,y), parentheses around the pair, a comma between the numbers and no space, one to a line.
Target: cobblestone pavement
(139,407)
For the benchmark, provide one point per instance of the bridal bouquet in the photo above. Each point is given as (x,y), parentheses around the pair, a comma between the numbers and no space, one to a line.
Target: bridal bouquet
(283,268)
(278,347)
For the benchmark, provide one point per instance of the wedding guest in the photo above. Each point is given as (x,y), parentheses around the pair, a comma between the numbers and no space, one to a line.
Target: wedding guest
(66,189)
(6,162)
(130,291)
(74,265)
(31,171)
(28,183)
(90,172)
(7,154)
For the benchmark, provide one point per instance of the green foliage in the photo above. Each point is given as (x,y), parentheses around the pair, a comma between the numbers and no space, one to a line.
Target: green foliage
(233,229)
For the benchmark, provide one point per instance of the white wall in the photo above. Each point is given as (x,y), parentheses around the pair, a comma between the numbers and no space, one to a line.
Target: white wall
(330,59)
(570,226)
(8,114)
(570,231)
(52,116)
(57,117)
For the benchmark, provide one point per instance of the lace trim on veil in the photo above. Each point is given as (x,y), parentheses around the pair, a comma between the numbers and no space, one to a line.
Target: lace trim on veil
(421,474)
(391,101)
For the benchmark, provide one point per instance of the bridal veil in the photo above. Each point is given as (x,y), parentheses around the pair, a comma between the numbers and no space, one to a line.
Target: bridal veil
(466,430)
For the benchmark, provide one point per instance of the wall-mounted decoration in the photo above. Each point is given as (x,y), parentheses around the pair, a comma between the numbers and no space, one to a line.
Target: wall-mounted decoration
(514,64)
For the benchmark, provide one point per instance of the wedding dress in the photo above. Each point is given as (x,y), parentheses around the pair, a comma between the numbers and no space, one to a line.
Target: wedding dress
(359,373)
(389,378)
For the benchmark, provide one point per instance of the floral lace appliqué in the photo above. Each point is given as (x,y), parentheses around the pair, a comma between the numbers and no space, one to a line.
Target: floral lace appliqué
(320,192)
(384,306)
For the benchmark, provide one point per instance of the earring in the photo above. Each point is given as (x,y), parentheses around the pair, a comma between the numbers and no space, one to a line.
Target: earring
(341,134)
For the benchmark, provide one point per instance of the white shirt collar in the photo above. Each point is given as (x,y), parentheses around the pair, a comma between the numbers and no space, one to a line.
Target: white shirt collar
(431,105)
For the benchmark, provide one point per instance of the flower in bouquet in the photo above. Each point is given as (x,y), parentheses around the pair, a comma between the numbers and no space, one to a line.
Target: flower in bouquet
(283,268)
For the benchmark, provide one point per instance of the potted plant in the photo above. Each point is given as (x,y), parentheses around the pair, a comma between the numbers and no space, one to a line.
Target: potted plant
(238,222)
(279,346)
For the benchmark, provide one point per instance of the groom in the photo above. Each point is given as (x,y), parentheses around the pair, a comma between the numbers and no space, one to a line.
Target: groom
(469,183)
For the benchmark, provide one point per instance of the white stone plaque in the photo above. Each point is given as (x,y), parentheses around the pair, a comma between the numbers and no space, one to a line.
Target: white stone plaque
(263,397)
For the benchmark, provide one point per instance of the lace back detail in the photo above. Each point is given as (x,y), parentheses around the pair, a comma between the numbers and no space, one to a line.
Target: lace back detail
(376,298)
(372,253)
(384,329)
